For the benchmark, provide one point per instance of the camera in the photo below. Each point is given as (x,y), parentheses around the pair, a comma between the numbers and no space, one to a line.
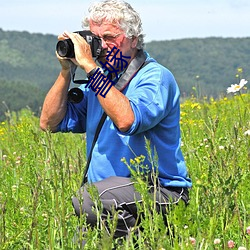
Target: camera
(65,48)
(75,95)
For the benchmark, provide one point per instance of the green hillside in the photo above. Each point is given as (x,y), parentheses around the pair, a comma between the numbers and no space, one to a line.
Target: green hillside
(28,66)
(211,63)
(28,57)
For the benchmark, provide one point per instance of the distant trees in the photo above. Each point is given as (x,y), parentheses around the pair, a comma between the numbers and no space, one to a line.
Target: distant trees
(210,62)
(17,95)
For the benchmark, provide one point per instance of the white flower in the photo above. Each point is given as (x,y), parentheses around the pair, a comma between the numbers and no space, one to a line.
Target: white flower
(192,240)
(217,241)
(248,230)
(22,210)
(237,87)
(242,248)
(246,133)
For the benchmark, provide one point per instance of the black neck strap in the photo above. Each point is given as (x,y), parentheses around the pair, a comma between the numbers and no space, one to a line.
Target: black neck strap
(136,64)
(131,70)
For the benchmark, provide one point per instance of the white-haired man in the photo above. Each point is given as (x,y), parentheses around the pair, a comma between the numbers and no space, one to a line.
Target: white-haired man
(142,103)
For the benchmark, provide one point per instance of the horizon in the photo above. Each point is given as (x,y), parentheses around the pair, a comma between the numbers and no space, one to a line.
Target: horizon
(173,39)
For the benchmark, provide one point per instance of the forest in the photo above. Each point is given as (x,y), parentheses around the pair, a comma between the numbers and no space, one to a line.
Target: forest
(202,67)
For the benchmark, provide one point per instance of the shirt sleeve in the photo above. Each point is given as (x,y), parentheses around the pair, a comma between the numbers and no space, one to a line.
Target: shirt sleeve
(75,117)
(152,98)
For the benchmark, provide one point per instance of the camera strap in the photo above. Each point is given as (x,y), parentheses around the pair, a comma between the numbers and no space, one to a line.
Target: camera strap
(97,132)
(136,64)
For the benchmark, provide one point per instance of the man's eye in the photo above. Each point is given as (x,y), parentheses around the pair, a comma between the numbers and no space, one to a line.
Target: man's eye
(108,37)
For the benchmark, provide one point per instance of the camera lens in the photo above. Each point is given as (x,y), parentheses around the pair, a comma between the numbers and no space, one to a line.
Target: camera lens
(65,48)
(75,95)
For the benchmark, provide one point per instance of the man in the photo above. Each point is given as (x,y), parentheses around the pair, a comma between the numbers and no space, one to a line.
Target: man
(142,105)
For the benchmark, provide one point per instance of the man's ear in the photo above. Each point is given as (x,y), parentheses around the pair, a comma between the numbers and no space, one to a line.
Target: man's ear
(134,42)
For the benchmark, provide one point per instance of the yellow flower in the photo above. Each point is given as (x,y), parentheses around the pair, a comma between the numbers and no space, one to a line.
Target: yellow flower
(240,70)
(195,105)
(132,162)
(138,160)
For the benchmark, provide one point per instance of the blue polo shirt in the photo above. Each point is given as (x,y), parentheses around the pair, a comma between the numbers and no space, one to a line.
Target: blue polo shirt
(154,97)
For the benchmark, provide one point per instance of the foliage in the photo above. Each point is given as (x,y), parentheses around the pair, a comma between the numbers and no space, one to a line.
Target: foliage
(14,95)
(208,62)
(28,68)
(28,58)
(40,172)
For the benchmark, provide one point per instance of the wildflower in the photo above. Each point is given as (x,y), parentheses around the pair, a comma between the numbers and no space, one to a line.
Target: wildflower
(240,70)
(221,147)
(192,240)
(14,188)
(132,162)
(137,159)
(22,210)
(248,230)
(237,87)
(216,241)
(198,182)
(242,248)
(195,106)
(45,216)
(230,244)
(247,133)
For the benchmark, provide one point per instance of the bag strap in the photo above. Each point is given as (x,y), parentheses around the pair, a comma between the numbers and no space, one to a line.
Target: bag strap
(137,63)
(97,132)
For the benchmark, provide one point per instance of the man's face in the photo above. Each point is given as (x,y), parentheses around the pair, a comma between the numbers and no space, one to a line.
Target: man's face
(112,36)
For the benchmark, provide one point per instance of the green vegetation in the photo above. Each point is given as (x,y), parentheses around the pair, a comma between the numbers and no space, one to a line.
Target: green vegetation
(40,172)
(16,95)
(28,61)
(209,63)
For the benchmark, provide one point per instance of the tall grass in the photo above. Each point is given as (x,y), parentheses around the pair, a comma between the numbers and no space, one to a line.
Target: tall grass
(40,172)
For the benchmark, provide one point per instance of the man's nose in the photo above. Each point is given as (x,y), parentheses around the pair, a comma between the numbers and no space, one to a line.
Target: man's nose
(104,44)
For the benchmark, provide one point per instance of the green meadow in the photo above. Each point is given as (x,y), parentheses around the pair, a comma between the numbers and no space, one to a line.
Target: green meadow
(40,172)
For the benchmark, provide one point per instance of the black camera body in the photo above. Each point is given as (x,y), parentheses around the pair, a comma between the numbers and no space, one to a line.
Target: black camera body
(65,48)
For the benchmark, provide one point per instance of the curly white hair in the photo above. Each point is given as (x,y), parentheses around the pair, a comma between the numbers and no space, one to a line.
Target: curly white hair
(120,12)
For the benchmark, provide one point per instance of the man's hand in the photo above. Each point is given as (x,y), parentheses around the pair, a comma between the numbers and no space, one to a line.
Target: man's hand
(83,54)
(66,63)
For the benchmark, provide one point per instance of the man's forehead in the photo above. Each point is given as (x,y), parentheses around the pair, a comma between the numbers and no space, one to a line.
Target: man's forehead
(104,26)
